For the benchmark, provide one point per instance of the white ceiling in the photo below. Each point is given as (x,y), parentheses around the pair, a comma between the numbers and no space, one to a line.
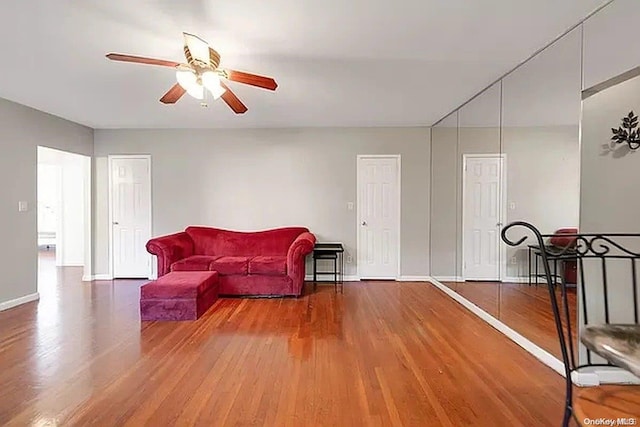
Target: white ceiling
(337,62)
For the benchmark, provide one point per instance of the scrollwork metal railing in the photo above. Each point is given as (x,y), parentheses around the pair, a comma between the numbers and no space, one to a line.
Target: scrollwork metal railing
(603,259)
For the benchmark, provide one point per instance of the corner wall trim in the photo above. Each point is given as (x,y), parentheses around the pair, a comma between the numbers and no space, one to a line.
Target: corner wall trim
(19,301)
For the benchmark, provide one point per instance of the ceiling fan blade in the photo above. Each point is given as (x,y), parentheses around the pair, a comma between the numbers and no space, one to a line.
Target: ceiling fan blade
(198,48)
(141,60)
(173,95)
(232,100)
(250,79)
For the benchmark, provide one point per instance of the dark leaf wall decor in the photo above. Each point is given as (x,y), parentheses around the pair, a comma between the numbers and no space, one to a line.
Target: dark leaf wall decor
(628,132)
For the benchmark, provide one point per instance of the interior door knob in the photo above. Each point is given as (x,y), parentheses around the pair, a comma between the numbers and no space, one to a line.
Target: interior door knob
(364,223)
(115,223)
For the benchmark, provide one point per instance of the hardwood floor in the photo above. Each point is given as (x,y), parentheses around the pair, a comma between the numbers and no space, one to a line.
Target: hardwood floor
(383,353)
(525,309)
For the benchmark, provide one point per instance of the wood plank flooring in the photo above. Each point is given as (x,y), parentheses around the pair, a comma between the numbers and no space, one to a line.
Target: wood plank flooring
(381,354)
(525,309)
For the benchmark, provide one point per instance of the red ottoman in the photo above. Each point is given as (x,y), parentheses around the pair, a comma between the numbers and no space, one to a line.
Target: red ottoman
(179,295)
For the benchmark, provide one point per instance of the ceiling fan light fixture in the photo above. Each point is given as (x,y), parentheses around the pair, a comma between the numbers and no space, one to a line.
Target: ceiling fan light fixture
(197,91)
(198,48)
(189,81)
(186,78)
(211,81)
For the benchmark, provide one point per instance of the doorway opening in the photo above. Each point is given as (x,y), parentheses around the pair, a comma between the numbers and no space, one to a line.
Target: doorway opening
(63,215)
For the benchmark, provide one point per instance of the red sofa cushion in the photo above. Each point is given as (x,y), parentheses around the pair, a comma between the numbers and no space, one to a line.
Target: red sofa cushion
(268,265)
(215,241)
(563,241)
(193,263)
(180,284)
(230,265)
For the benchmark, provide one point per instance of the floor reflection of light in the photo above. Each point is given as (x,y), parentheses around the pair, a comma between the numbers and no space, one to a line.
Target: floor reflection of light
(44,422)
(48,331)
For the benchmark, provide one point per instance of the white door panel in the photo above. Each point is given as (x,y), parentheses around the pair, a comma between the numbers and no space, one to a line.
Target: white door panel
(378,187)
(131,211)
(482,209)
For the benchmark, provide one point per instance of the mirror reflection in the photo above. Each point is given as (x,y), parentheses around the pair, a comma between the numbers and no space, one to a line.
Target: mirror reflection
(517,157)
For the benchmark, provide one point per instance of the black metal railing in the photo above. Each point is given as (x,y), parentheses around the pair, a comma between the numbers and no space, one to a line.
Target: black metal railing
(603,259)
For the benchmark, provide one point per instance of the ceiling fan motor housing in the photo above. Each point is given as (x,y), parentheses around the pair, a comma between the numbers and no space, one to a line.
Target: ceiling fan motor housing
(214,60)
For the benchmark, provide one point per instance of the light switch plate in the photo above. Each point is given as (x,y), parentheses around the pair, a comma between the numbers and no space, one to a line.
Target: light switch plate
(512,205)
(350,206)
(23,206)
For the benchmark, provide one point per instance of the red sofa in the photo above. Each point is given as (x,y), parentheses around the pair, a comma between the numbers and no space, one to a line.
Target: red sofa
(561,240)
(270,262)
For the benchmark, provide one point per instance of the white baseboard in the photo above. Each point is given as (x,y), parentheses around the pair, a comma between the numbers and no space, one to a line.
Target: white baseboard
(19,301)
(413,279)
(513,279)
(448,278)
(597,375)
(520,279)
(538,352)
(586,377)
(97,277)
(309,278)
(616,376)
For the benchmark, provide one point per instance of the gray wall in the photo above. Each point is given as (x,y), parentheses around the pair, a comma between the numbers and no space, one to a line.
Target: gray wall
(610,196)
(22,129)
(444,189)
(256,179)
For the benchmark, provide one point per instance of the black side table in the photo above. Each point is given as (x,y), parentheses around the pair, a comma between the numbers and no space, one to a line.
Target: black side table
(554,254)
(332,251)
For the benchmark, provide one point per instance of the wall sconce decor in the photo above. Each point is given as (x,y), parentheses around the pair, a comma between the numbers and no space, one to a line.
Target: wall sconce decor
(628,132)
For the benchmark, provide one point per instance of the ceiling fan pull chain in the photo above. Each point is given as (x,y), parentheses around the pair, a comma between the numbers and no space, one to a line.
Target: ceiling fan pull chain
(204,103)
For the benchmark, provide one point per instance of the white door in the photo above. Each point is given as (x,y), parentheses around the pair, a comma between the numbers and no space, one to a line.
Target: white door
(131,216)
(481,217)
(378,217)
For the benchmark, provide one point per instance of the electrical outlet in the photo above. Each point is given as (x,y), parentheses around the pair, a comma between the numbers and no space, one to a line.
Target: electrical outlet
(514,260)
(349,259)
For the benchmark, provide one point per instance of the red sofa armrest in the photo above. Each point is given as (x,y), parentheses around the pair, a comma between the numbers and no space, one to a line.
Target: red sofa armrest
(169,249)
(299,249)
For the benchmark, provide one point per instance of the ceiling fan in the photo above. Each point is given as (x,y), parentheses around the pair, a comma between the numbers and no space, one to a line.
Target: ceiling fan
(201,74)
